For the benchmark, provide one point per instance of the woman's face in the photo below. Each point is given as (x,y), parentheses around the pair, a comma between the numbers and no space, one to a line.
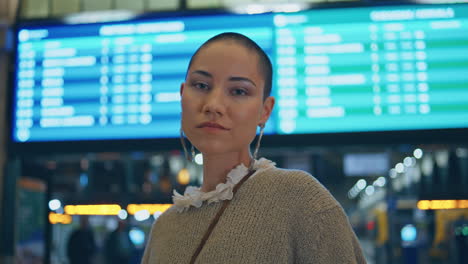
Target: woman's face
(222,99)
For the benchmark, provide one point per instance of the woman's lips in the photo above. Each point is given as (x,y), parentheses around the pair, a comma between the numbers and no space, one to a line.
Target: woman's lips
(212,126)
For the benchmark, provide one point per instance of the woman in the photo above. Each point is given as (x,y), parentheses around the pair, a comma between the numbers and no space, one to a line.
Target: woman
(247,210)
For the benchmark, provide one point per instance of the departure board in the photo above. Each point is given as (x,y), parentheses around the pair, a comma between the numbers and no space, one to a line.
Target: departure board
(335,71)
(113,81)
(372,69)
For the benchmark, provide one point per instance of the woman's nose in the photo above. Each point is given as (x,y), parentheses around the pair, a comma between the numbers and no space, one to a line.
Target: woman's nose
(214,103)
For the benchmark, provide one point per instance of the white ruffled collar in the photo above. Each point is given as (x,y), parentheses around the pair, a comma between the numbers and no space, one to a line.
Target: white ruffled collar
(193,196)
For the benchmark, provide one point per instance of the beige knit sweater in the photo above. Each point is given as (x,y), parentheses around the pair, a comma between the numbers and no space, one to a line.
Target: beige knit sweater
(277,216)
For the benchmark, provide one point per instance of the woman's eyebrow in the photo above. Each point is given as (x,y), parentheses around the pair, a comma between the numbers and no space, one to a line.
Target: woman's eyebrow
(232,78)
(204,73)
(243,79)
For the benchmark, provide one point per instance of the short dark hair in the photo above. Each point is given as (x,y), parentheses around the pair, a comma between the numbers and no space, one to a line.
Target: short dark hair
(263,60)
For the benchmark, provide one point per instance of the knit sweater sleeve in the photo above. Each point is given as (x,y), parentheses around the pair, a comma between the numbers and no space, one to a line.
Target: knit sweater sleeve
(322,231)
(147,253)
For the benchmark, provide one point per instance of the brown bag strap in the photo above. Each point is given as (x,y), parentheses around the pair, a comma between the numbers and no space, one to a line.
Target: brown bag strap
(216,219)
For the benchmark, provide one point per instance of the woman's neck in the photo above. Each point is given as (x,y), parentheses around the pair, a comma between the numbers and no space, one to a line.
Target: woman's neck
(216,167)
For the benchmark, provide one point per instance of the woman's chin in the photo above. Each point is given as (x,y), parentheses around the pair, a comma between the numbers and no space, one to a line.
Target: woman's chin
(212,150)
(213,147)
(218,147)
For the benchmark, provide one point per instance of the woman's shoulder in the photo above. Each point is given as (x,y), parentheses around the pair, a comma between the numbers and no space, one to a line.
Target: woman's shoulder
(298,186)
(290,178)
(166,216)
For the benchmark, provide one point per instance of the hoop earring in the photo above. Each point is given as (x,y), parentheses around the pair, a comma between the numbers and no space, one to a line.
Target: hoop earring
(192,148)
(257,146)
(182,141)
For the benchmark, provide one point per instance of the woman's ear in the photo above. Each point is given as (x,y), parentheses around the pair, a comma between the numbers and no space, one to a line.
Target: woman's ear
(268,105)
(182,89)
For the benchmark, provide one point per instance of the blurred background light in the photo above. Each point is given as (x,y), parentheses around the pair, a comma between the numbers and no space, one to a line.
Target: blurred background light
(400,168)
(99,16)
(380,182)
(370,190)
(183,177)
(54,204)
(418,153)
(409,161)
(137,236)
(361,184)
(123,214)
(142,215)
(199,159)
(93,209)
(409,233)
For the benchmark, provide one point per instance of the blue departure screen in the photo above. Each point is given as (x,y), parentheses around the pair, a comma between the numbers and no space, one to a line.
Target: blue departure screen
(372,69)
(337,70)
(113,81)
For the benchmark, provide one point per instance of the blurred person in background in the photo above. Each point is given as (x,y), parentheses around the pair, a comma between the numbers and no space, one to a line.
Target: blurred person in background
(81,246)
(118,247)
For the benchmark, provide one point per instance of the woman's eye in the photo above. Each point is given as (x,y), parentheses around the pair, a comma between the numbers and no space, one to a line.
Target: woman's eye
(239,92)
(201,86)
